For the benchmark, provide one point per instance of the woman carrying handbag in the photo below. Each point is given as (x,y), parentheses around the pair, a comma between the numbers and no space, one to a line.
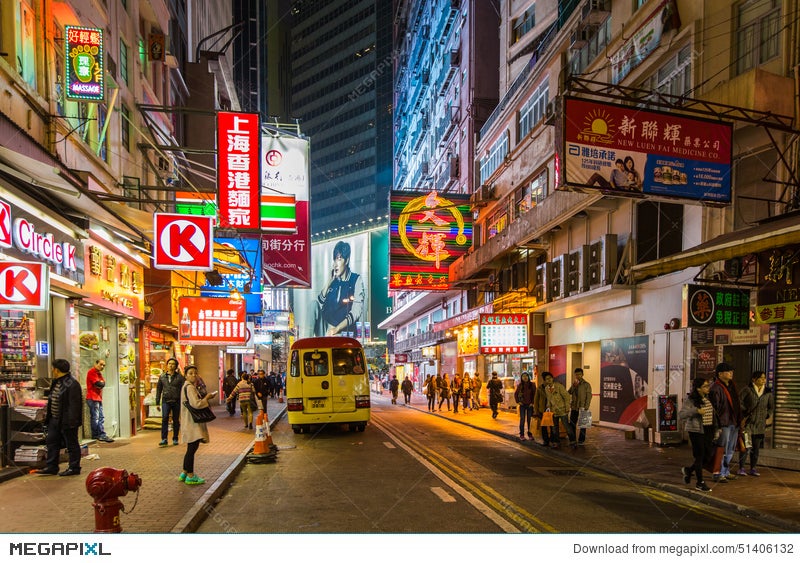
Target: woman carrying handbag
(192,433)
(698,414)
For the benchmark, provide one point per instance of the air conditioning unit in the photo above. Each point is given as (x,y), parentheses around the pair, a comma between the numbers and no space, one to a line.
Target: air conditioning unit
(576,273)
(452,164)
(455,56)
(602,261)
(556,281)
(541,288)
(581,36)
(595,12)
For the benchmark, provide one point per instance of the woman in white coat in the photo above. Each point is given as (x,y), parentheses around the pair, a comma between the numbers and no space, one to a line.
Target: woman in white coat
(192,433)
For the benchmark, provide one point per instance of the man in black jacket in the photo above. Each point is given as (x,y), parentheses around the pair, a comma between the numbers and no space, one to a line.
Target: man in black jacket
(168,395)
(728,417)
(64,417)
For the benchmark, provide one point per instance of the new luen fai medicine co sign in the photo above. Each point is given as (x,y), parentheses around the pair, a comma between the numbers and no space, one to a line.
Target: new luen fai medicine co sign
(84,64)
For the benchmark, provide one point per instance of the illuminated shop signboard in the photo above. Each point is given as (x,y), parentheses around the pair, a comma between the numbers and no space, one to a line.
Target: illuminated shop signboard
(628,151)
(84,64)
(504,333)
(428,232)
(718,307)
(238,172)
(212,320)
(778,295)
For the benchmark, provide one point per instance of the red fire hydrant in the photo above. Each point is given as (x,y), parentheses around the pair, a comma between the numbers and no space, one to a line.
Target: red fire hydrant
(106,485)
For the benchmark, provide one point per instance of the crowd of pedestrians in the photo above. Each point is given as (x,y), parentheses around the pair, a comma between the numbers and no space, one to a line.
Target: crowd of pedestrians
(464,390)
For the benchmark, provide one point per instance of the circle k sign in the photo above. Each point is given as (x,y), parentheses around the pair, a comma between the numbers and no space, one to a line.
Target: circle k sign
(183,242)
(23,285)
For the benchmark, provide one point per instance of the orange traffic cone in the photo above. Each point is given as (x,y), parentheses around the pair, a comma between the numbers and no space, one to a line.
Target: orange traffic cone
(263,448)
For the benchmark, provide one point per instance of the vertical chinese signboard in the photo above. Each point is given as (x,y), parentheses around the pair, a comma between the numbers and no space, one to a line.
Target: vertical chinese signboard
(629,151)
(212,320)
(84,64)
(285,216)
(428,232)
(238,171)
(504,333)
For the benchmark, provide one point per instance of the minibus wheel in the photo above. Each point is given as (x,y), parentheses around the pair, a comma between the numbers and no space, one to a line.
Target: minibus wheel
(362,427)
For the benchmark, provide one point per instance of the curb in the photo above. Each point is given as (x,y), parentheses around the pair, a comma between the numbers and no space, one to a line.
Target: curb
(745,511)
(204,506)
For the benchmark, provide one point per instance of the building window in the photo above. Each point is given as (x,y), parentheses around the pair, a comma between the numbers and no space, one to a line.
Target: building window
(757,33)
(595,44)
(125,123)
(26,44)
(659,230)
(494,159)
(524,24)
(534,110)
(497,223)
(123,61)
(539,188)
(530,195)
(675,76)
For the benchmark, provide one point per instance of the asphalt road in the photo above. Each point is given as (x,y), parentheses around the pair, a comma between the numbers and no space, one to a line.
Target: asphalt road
(410,472)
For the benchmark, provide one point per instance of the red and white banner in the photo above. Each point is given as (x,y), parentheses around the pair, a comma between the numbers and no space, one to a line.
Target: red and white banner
(238,170)
(504,333)
(24,285)
(183,242)
(212,320)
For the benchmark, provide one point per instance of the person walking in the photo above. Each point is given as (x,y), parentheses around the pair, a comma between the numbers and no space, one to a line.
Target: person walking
(539,406)
(228,385)
(94,400)
(261,385)
(168,394)
(430,392)
(455,391)
(63,417)
(466,390)
(443,388)
(192,433)
(524,395)
(495,389)
(394,387)
(698,415)
(477,384)
(757,406)
(728,415)
(407,387)
(247,394)
(558,403)
(580,398)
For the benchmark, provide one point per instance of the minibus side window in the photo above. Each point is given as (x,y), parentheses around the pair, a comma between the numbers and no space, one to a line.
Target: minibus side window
(315,363)
(294,370)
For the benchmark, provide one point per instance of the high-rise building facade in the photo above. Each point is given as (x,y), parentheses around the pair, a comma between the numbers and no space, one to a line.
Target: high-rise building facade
(341,93)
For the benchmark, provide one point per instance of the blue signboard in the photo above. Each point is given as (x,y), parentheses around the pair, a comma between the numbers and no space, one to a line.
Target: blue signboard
(241,253)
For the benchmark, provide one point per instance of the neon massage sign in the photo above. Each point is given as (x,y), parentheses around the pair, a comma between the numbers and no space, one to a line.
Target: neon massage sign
(84,64)
(428,232)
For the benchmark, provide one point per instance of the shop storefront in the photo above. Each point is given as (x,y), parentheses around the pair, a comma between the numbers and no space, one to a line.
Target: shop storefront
(42,264)
(108,328)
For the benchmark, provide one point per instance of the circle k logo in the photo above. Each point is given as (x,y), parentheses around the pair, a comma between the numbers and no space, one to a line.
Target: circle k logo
(183,241)
(22,285)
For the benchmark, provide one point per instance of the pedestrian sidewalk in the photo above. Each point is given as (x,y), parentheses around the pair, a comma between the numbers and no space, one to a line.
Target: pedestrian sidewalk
(47,504)
(773,498)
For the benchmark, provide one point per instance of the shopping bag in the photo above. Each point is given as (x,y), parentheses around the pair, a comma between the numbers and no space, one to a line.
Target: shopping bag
(748,439)
(714,462)
(584,418)
(547,418)
(741,447)
(535,426)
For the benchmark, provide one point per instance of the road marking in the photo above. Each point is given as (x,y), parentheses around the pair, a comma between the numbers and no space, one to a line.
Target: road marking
(443,495)
(390,445)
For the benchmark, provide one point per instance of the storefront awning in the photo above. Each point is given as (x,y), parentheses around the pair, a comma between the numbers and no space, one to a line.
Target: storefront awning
(768,235)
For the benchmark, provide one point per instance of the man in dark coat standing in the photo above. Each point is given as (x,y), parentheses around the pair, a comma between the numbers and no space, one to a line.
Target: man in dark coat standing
(728,417)
(64,417)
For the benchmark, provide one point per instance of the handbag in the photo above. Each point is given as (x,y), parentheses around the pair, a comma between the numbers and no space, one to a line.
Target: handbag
(547,418)
(741,447)
(584,419)
(747,438)
(198,415)
(714,461)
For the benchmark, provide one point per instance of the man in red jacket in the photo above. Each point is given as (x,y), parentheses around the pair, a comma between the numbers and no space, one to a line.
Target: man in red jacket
(94,398)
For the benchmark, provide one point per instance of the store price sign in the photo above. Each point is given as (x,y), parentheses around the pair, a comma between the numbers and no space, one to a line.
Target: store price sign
(212,320)
(503,333)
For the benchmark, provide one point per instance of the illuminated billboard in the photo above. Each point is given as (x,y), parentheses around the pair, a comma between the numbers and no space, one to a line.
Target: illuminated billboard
(239,260)
(84,64)
(428,232)
(211,320)
(623,150)
(237,170)
(348,295)
(503,333)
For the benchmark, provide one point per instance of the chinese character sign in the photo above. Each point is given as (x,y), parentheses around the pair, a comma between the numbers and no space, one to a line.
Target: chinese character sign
(84,64)
(211,320)
(628,151)
(284,183)
(503,333)
(718,307)
(428,232)
(778,297)
(238,172)
(623,379)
